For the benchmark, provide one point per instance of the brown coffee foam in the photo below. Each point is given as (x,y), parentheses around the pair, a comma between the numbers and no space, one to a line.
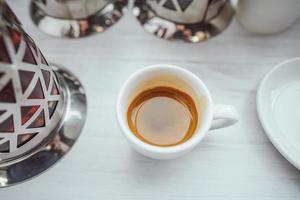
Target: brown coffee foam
(173,81)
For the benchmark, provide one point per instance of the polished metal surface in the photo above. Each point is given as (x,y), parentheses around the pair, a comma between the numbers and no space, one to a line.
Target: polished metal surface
(76,18)
(42,107)
(61,139)
(188,20)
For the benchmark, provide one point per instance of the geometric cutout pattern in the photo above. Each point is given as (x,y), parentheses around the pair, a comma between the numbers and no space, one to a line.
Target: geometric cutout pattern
(7,93)
(184,4)
(43,60)
(15,37)
(24,138)
(28,56)
(27,112)
(54,90)
(9,14)
(51,107)
(25,78)
(169,5)
(35,48)
(4,147)
(7,126)
(4,57)
(39,121)
(37,92)
(2,112)
(29,92)
(46,75)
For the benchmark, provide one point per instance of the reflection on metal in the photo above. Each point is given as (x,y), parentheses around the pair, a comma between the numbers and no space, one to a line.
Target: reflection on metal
(42,107)
(188,20)
(76,19)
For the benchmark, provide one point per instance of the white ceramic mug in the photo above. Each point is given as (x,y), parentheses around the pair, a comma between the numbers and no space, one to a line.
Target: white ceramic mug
(212,116)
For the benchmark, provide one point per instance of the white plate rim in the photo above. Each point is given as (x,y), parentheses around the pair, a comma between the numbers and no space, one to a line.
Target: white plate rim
(281,148)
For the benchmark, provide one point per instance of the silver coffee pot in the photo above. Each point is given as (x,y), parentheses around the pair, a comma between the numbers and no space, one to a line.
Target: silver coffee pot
(42,106)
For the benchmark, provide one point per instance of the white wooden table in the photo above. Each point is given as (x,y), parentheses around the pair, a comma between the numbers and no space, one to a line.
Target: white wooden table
(233,163)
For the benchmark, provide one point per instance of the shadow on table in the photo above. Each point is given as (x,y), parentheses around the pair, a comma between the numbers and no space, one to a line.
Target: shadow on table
(156,171)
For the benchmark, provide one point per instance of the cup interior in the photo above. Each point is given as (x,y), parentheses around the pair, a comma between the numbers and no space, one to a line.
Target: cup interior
(169,76)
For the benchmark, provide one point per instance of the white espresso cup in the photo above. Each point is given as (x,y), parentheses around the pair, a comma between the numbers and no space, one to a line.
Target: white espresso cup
(211,116)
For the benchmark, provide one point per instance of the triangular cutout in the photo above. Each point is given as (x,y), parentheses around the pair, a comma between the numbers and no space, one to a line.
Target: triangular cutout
(7,93)
(27,112)
(43,60)
(51,107)
(15,37)
(54,90)
(2,112)
(24,138)
(4,148)
(25,78)
(35,49)
(4,57)
(37,92)
(184,4)
(28,56)
(9,15)
(39,121)
(7,126)
(46,75)
(169,5)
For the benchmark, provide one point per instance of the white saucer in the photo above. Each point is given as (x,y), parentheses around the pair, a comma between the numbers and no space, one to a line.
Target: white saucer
(278,107)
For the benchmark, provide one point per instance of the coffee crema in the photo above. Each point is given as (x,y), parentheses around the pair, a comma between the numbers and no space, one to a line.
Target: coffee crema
(163,116)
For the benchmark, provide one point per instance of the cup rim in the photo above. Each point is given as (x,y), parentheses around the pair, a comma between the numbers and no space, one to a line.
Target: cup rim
(193,141)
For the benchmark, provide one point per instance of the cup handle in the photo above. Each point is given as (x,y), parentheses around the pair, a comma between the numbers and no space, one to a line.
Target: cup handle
(223,116)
